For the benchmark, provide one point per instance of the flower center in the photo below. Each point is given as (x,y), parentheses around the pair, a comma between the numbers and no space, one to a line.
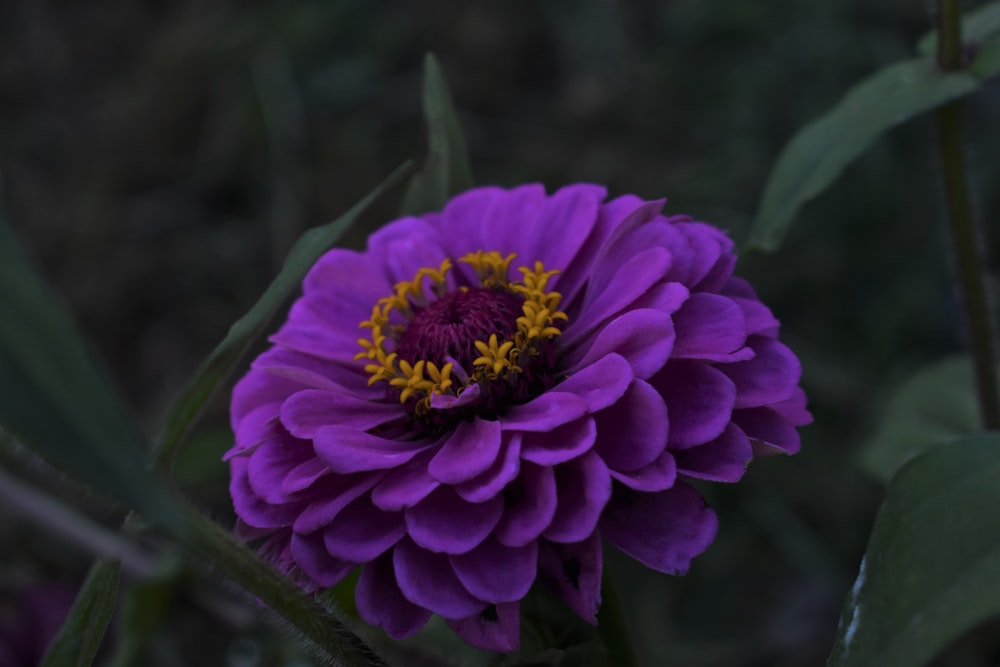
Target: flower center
(450,350)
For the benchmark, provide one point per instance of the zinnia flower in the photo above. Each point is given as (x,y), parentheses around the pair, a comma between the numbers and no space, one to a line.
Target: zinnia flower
(535,374)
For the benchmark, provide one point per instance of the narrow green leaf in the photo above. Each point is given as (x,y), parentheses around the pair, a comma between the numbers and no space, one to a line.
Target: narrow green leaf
(81,634)
(822,149)
(931,406)
(446,170)
(977,27)
(54,399)
(220,363)
(143,607)
(932,568)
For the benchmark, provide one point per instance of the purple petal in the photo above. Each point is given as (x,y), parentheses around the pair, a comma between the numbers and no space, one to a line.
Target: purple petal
(497,628)
(617,216)
(271,462)
(530,506)
(573,572)
(562,226)
(321,341)
(644,338)
(405,246)
(497,573)
(348,450)
(445,401)
(310,555)
(503,471)
(305,412)
(709,326)
(255,389)
(349,277)
(794,408)
(632,433)
(470,450)
(406,486)
(304,475)
(544,413)
(624,245)
(769,432)
(704,246)
(334,494)
(562,444)
(759,318)
(601,383)
(724,459)
(444,522)
(699,401)
(636,276)
(362,532)
(584,487)
(426,579)
(251,508)
(662,530)
(770,377)
(257,425)
(721,270)
(314,373)
(657,476)
(381,603)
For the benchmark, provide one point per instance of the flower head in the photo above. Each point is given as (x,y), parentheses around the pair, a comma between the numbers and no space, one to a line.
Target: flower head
(483,395)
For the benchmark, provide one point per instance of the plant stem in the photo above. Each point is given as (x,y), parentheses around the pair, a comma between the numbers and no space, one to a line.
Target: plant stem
(963,230)
(327,634)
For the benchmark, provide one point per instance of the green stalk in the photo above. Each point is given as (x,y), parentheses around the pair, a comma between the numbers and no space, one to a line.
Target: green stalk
(327,634)
(963,229)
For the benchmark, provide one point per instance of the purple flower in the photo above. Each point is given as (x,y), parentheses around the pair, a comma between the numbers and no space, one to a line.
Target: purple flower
(534,374)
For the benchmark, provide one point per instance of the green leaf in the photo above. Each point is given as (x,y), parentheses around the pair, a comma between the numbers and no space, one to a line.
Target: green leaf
(821,150)
(54,399)
(81,634)
(932,568)
(933,405)
(187,406)
(143,606)
(977,27)
(446,169)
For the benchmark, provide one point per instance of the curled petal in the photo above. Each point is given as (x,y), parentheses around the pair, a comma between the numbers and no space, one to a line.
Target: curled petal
(470,450)
(348,450)
(545,413)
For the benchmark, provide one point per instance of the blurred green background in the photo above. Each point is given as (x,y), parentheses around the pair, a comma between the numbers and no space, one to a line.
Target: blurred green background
(159,158)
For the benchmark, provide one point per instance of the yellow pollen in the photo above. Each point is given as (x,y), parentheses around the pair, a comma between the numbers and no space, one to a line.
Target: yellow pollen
(498,360)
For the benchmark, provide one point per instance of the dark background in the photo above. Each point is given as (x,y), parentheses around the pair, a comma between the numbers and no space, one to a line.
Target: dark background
(159,158)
